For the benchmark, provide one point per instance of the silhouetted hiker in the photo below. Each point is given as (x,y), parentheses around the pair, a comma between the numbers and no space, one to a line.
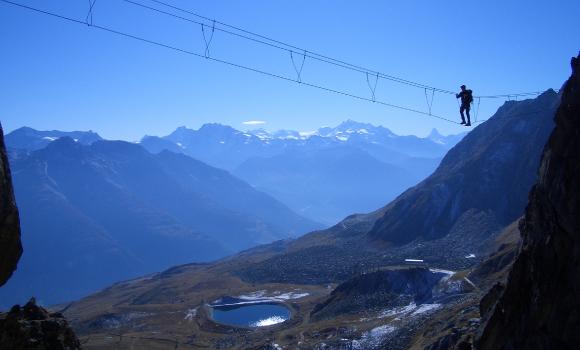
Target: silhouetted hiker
(466,99)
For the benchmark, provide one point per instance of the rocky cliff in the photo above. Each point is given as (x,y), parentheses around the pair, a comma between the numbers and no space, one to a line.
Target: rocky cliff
(10,246)
(540,305)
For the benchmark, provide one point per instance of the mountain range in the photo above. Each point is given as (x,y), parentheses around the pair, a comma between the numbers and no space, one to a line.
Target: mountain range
(113,204)
(324,175)
(227,148)
(478,191)
(29,139)
(95,214)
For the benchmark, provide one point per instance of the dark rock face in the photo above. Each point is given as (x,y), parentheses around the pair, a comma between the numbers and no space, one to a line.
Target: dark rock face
(31,327)
(540,307)
(452,341)
(10,246)
(380,289)
(498,264)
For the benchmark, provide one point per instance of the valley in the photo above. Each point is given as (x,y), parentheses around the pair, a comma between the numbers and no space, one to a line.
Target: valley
(172,308)
(305,175)
(126,209)
(349,287)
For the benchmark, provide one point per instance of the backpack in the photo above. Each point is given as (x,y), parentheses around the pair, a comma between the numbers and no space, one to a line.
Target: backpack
(469,96)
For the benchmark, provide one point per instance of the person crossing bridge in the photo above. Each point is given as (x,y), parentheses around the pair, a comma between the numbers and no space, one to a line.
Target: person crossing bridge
(466,96)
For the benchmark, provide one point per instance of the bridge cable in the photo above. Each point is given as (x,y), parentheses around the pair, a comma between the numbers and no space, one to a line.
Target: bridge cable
(310,54)
(206,55)
(89,18)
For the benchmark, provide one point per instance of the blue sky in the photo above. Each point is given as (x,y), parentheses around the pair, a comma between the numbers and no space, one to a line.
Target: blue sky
(59,75)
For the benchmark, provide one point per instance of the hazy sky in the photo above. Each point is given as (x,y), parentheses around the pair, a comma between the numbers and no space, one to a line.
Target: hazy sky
(60,75)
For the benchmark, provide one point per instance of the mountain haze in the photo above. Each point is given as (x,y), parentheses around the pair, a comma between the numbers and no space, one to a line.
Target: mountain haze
(324,175)
(119,211)
(327,184)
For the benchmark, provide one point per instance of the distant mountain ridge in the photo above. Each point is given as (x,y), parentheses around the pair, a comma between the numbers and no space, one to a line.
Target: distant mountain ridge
(184,140)
(315,172)
(29,139)
(225,147)
(119,211)
(351,129)
(436,137)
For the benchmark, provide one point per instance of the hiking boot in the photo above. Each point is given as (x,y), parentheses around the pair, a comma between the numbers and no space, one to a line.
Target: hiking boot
(462,122)
(468,124)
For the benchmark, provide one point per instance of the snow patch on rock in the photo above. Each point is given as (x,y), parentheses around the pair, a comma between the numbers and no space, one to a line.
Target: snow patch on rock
(409,310)
(373,338)
(190,314)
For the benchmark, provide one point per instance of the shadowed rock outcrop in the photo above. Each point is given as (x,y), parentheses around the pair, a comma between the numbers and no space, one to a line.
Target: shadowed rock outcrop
(540,306)
(10,246)
(31,327)
(378,290)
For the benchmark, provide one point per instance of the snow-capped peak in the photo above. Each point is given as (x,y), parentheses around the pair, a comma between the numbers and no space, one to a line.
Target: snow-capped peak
(434,134)
(262,134)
